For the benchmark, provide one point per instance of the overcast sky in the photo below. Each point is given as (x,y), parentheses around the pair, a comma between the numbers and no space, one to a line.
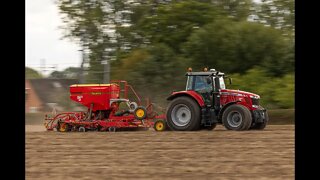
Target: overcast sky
(43,37)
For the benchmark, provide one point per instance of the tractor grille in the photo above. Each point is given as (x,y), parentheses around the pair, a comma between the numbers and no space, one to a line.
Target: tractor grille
(255,101)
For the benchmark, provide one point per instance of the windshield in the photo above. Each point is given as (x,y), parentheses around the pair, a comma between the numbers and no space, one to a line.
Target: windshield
(222,84)
(198,83)
(202,84)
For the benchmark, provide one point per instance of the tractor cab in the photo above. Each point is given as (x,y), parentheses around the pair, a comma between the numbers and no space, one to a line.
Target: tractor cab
(206,84)
(205,81)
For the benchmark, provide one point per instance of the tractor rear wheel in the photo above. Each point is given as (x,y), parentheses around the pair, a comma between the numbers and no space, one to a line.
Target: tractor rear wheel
(183,114)
(237,117)
(261,126)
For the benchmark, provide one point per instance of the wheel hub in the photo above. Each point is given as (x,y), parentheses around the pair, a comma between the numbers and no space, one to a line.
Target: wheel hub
(181,115)
(159,126)
(234,119)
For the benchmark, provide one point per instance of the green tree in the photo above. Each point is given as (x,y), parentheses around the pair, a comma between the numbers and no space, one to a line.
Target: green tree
(172,24)
(279,14)
(92,24)
(239,46)
(172,21)
(69,73)
(57,75)
(275,92)
(32,74)
(284,94)
(237,9)
(154,71)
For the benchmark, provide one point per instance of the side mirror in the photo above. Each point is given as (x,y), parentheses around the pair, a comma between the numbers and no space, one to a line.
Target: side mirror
(209,81)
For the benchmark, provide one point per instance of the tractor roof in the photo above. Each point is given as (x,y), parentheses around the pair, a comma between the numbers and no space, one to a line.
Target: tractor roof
(204,73)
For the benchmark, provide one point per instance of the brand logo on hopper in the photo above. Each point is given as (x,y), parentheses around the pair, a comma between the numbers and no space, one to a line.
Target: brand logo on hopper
(79,98)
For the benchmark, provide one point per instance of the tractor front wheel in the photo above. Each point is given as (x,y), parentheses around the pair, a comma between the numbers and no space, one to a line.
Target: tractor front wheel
(183,114)
(237,117)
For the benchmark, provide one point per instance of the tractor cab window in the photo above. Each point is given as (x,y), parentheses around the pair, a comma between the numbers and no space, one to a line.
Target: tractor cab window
(222,84)
(189,83)
(202,85)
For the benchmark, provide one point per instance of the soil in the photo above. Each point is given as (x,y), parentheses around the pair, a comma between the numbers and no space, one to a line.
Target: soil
(217,154)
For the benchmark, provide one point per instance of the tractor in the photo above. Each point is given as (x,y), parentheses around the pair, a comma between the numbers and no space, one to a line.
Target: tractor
(207,102)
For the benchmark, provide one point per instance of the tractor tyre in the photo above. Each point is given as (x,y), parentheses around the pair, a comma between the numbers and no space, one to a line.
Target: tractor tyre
(237,117)
(183,114)
(140,113)
(261,126)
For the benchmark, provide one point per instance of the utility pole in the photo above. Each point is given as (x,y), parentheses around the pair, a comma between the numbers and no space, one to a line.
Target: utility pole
(106,74)
(106,68)
(43,66)
(107,58)
(81,76)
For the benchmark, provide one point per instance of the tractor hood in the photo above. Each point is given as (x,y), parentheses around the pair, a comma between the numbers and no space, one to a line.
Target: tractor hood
(238,93)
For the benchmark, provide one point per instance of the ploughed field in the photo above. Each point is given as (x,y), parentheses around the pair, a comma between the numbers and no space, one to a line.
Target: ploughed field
(217,154)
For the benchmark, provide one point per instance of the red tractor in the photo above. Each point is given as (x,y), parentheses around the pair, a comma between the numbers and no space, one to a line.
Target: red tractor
(206,102)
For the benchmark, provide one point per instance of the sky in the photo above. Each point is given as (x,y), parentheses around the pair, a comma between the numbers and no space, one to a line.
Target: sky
(43,38)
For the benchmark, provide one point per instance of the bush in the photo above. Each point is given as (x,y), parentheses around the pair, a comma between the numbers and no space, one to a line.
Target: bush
(275,92)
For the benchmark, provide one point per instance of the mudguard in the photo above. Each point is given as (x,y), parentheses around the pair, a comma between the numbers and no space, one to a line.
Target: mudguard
(194,95)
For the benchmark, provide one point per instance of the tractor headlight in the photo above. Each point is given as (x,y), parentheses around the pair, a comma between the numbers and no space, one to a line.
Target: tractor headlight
(254,97)
(255,106)
(255,101)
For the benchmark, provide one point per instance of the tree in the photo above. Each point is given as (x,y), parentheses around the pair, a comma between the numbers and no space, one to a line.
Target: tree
(172,23)
(68,73)
(275,92)
(57,75)
(237,9)
(279,14)
(234,46)
(92,24)
(154,71)
(32,74)
(284,94)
